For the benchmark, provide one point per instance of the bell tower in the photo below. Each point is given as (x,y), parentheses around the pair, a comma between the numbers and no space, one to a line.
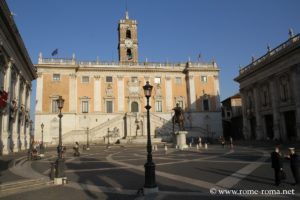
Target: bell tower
(128,43)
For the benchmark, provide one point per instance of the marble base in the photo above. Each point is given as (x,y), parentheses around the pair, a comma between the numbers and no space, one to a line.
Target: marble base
(180,140)
(60,181)
(148,191)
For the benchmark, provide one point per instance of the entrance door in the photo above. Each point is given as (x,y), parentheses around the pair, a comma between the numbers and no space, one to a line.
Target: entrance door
(253,128)
(269,126)
(290,124)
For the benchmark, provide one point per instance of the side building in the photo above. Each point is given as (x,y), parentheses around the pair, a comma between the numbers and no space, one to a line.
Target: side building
(232,117)
(270,91)
(106,99)
(17,72)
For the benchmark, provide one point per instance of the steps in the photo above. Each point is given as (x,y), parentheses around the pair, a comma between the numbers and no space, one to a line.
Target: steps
(24,184)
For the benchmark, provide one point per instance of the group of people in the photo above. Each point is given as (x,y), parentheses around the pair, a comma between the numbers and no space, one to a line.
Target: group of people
(277,165)
(222,141)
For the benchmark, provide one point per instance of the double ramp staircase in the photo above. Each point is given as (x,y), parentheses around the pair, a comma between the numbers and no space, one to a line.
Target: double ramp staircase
(31,179)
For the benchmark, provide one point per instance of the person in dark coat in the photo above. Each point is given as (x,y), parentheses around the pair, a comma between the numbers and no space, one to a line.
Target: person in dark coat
(276,165)
(294,159)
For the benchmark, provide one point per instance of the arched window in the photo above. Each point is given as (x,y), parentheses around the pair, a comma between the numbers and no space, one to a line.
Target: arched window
(129,54)
(134,107)
(128,34)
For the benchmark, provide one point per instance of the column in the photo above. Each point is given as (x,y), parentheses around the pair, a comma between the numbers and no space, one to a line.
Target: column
(274,100)
(39,92)
(22,130)
(169,93)
(245,120)
(97,94)
(259,131)
(296,87)
(5,118)
(16,134)
(27,107)
(192,93)
(73,93)
(120,94)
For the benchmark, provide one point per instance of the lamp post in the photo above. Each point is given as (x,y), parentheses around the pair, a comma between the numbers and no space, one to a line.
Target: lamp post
(42,149)
(150,183)
(59,173)
(87,139)
(108,143)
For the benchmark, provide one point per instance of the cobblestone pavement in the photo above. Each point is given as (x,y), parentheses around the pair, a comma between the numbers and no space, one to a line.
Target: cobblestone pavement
(118,172)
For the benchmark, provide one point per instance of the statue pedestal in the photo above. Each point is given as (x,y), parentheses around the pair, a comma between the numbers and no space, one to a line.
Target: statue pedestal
(180,139)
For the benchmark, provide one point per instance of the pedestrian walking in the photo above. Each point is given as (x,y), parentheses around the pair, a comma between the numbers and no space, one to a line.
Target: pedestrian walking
(222,142)
(276,165)
(294,161)
(231,142)
(76,149)
(200,142)
(166,149)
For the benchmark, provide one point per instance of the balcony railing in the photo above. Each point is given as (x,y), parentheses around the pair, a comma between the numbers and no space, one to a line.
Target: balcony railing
(179,65)
(271,53)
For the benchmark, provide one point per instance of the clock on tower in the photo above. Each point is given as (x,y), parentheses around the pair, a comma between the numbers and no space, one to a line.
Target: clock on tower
(128,43)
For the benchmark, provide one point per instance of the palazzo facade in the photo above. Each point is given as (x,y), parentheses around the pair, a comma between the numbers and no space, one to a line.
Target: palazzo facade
(106,99)
(270,91)
(16,74)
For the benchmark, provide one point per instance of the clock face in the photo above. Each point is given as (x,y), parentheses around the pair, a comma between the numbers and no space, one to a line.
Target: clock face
(128,43)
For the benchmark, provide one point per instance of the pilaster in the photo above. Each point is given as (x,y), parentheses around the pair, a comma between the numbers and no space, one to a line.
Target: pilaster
(259,131)
(97,93)
(120,94)
(39,92)
(73,93)
(217,90)
(246,127)
(274,99)
(192,92)
(5,119)
(22,125)
(296,87)
(27,107)
(16,134)
(169,93)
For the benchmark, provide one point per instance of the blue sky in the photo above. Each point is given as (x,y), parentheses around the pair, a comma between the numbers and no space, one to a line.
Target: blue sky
(230,31)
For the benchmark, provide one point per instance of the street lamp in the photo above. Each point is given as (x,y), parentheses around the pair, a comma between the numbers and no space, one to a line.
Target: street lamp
(59,172)
(87,139)
(42,149)
(150,184)
(108,143)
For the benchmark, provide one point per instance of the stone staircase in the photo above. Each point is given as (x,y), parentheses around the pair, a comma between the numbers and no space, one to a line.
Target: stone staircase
(165,129)
(96,133)
(32,179)
(23,185)
(161,127)
(101,130)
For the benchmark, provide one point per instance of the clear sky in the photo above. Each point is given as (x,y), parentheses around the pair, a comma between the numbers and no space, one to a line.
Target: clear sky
(229,31)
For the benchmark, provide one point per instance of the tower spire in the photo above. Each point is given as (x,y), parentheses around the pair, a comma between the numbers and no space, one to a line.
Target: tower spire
(126,15)
(126,12)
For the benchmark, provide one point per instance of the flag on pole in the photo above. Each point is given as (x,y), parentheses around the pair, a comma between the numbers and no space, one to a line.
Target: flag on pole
(54,52)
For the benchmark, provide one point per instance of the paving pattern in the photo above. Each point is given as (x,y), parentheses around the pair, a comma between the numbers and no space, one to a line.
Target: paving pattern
(118,172)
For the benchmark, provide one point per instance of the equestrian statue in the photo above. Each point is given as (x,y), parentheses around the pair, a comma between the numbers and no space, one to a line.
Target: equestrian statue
(178,118)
